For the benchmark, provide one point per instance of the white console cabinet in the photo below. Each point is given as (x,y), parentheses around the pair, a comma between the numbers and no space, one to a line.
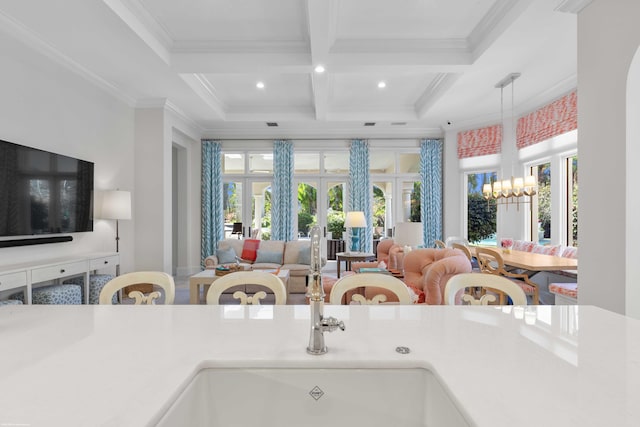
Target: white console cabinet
(30,275)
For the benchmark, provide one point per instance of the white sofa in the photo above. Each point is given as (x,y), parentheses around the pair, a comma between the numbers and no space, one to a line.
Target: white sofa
(293,259)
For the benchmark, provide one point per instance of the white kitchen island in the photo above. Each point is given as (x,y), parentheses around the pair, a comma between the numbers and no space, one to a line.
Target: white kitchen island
(124,365)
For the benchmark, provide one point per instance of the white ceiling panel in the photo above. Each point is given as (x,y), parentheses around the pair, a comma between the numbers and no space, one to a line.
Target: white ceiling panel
(230,20)
(237,90)
(440,59)
(410,19)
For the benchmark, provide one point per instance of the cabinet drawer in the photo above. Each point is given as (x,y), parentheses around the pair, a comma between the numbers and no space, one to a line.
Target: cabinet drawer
(102,262)
(13,280)
(58,271)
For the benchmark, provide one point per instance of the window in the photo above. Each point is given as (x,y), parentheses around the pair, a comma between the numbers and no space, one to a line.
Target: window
(543,214)
(481,214)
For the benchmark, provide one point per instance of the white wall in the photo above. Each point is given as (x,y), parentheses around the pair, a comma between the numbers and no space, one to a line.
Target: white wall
(608,37)
(633,196)
(56,110)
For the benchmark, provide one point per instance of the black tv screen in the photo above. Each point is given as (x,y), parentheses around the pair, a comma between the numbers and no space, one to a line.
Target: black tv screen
(43,192)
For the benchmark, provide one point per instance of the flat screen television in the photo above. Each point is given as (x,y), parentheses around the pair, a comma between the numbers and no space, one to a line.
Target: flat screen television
(43,193)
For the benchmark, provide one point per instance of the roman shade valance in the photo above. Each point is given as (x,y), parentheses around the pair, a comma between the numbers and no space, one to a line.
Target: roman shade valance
(558,117)
(479,142)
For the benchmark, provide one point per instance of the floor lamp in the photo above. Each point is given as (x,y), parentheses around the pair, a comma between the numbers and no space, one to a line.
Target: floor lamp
(116,204)
(355,220)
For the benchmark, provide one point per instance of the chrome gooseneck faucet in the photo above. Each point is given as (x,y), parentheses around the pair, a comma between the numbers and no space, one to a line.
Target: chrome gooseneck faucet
(315,292)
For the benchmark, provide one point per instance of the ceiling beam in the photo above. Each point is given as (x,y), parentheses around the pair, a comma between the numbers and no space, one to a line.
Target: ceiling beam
(321,17)
(438,87)
(141,23)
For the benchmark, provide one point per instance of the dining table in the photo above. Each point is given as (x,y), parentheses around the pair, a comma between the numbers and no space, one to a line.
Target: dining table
(533,261)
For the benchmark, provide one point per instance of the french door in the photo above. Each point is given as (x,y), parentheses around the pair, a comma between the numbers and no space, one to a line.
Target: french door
(247,203)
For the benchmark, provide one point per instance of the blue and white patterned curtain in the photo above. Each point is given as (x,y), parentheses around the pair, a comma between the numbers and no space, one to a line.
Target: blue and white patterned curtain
(211,195)
(360,191)
(282,203)
(431,190)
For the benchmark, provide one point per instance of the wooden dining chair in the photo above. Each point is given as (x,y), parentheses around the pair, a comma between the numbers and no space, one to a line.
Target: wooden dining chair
(157,278)
(381,285)
(440,244)
(239,278)
(491,262)
(486,282)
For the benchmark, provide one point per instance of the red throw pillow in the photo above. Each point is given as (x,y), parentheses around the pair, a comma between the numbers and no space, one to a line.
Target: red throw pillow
(250,249)
(419,292)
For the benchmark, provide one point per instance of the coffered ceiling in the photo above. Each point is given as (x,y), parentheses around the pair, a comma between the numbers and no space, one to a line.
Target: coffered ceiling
(440,59)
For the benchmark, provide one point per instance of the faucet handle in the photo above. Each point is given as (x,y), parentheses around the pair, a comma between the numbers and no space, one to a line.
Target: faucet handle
(331,324)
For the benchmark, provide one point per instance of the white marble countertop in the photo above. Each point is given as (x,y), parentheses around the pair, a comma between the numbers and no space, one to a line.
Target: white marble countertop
(123,365)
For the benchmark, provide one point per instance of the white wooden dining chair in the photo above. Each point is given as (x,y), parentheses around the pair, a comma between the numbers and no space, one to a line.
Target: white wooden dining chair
(239,278)
(372,280)
(158,278)
(488,282)
(491,262)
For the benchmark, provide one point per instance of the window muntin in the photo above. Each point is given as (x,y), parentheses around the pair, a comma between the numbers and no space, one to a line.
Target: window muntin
(233,163)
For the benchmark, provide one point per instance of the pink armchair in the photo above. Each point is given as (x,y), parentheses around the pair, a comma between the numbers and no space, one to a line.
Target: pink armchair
(430,269)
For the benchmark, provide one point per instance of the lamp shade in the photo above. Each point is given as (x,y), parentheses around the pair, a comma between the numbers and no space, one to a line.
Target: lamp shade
(355,219)
(116,204)
(408,234)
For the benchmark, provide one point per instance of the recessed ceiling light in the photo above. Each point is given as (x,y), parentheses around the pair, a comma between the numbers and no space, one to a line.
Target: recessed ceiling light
(260,85)
(319,69)
(382,85)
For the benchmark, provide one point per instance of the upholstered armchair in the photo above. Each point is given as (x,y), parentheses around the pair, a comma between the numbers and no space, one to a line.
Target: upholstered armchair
(429,270)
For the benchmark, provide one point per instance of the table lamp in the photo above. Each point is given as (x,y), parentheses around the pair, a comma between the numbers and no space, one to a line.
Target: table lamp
(408,234)
(355,220)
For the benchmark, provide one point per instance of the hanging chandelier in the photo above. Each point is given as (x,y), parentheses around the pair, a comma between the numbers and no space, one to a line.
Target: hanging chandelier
(516,189)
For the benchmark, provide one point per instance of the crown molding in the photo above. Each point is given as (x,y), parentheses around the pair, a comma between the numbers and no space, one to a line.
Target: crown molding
(240,46)
(572,6)
(436,89)
(32,40)
(139,19)
(494,23)
(342,133)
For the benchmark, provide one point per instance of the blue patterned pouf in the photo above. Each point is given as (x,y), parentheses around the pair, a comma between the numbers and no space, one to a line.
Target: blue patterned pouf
(54,294)
(11,302)
(96,283)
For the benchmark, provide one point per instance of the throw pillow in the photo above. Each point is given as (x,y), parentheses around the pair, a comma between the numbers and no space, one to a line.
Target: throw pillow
(269,257)
(226,256)
(250,249)
(304,256)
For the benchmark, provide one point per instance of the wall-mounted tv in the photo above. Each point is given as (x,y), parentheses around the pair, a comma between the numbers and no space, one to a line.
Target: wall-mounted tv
(43,192)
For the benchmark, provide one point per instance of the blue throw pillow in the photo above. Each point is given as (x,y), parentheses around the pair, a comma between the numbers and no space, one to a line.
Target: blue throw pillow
(273,257)
(226,256)
(304,256)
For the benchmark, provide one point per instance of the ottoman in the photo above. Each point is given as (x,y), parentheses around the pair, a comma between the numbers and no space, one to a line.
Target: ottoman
(96,283)
(54,294)
(11,302)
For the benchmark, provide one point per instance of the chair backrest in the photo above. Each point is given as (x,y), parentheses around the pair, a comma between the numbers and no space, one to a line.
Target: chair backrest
(455,239)
(268,280)
(463,248)
(374,280)
(440,244)
(490,261)
(485,281)
(159,278)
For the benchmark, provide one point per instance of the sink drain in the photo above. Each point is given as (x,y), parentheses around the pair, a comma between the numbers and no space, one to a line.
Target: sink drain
(403,350)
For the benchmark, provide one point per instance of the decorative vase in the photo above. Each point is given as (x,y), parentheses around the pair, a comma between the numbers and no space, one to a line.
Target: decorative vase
(506,245)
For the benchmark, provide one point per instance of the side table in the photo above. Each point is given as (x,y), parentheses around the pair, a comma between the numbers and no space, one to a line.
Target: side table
(349,257)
